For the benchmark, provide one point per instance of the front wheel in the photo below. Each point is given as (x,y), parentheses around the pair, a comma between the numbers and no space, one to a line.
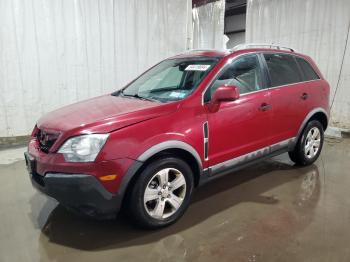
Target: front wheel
(309,145)
(162,193)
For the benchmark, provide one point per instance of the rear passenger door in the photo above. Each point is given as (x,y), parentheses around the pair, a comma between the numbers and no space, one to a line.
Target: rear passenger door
(315,89)
(288,103)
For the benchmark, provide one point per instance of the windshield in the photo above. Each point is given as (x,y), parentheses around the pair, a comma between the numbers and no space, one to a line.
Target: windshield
(170,80)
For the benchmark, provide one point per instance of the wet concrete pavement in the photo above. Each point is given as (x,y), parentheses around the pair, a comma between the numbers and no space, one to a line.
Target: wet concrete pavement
(272,211)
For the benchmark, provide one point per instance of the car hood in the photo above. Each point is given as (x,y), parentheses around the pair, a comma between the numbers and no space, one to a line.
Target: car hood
(102,114)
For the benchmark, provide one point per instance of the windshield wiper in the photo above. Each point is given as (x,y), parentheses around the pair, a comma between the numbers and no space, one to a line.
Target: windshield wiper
(164,89)
(139,97)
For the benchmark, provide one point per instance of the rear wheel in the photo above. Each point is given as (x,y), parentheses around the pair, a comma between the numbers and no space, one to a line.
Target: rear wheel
(162,193)
(309,145)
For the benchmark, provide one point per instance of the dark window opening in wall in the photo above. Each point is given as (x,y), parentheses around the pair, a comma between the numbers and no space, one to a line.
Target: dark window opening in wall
(235,22)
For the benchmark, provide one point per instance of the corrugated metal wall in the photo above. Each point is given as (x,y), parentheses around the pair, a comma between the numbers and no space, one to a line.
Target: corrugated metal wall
(319,28)
(53,53)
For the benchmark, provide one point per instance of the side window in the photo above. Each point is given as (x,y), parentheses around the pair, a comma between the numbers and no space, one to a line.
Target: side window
(244,72)
(308,71)
(283,69)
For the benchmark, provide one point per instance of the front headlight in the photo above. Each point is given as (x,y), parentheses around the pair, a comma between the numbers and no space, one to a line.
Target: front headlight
(84,148)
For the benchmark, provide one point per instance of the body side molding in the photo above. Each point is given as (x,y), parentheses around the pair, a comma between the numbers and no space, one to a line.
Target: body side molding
(286,145)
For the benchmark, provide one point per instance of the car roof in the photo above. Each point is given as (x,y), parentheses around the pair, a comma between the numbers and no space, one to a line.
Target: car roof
(266,50)
(203,52)
(229,52)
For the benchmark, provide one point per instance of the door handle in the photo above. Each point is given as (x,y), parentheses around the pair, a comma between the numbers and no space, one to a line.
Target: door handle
(264,107)
(304,96)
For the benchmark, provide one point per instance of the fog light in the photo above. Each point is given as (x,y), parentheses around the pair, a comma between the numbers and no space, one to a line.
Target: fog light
(108,177)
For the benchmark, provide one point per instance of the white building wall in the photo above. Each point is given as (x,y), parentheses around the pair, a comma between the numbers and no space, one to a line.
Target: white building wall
(53,53)
(319,28)
(208,25)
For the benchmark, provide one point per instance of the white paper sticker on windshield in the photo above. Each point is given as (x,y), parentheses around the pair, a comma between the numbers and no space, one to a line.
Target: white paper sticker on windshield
(177,94)
(197,67)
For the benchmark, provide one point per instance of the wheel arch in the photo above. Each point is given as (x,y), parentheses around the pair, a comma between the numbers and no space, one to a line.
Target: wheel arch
(316,114)
(175,148)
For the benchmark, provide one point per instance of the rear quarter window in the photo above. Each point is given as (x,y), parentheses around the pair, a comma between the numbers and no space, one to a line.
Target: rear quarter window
(283,69)
(308,72)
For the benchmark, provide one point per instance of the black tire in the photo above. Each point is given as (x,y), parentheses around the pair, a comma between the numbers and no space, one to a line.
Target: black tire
(298,155)
(292,156)
(136,206)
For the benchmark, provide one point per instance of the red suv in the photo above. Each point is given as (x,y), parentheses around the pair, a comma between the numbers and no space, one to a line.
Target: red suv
(187,120)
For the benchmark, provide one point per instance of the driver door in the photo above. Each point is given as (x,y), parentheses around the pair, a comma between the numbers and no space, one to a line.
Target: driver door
(242,126)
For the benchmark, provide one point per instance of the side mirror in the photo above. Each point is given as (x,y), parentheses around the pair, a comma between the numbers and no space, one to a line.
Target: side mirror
(224,93)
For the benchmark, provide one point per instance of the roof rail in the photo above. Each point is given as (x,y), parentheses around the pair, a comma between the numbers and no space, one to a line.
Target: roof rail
(252,45)
(200,50)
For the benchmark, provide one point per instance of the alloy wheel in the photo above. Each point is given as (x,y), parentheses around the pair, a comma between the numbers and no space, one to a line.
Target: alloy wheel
(165,193)
(312,143)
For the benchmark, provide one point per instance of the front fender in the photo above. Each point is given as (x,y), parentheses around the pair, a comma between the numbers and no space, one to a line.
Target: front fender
(136,166)
(171,144)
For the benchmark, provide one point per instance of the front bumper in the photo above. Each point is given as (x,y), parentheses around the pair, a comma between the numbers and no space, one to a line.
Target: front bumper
(80,192)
